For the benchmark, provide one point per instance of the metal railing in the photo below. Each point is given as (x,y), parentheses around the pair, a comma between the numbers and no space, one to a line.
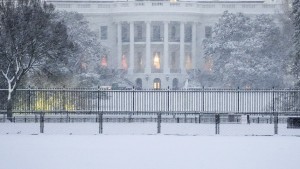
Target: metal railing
(164,100)
(215,110)
(206,123)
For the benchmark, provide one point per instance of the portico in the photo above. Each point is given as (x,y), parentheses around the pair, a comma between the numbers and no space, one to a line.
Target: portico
(156,48)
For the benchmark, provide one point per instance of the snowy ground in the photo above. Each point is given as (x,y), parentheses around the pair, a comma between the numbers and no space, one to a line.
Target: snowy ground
(148,152)
(137,146)
(147,128)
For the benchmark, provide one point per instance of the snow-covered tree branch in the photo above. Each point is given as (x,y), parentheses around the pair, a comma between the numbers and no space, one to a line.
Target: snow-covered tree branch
(29,34)
(247,52)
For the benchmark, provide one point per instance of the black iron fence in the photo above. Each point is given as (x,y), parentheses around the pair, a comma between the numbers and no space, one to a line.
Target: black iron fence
(164,100)
(203,123)
(216,111)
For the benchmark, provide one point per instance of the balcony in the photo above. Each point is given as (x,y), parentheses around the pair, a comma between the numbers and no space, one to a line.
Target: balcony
(204,7)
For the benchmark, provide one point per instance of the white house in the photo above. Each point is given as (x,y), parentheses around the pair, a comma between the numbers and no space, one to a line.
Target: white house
(158,42)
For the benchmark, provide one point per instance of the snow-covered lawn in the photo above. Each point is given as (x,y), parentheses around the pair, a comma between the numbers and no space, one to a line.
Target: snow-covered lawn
(148,152)
(147,128)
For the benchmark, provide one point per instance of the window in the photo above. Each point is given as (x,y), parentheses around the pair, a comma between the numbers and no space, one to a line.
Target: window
(104,61)
(173,60)
(139,30)
(208,31)
(103,32)
(124,62)
(188,34)
(188,62)
(139,62)
(156,60)
(156,33)
(156,83)
(173,32)
(125,33)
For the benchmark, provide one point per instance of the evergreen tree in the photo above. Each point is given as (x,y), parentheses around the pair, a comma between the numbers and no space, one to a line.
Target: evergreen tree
(246,52)
(296,23)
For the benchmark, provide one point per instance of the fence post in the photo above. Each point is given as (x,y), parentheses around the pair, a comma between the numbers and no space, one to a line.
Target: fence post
(133,108)
(42,120)
(158,123)
(238,99)
(275,123)
(29,99)
(274,113)
(248,119)
(217,120)
(98,99)
(203,101)
(168,99)
(100,120)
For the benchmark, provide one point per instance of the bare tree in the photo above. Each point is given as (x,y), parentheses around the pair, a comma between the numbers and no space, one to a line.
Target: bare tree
(29,36)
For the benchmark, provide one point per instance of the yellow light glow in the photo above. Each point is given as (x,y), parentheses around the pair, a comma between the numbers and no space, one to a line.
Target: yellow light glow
(156,61)
(188,62)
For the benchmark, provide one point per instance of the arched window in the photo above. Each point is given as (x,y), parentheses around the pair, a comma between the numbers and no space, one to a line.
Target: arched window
(175,83)
(156,83)
(139,83)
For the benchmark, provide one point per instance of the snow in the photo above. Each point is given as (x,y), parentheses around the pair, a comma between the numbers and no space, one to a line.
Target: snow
(187,129)
(148,152)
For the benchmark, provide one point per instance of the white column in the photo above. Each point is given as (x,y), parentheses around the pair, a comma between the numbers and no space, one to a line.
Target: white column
(194,35)
(182,58)
(201,59)
(119,37)
(148,47)
(166,48)
(131,48)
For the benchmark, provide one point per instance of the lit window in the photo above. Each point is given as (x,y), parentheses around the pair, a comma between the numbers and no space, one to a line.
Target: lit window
(156,61)
(124,63)
(156,84)
(104,61)
(188,62)
(139,60)
(103,32)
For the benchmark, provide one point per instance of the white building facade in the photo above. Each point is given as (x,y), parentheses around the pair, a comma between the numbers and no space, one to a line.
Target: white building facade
(158,42)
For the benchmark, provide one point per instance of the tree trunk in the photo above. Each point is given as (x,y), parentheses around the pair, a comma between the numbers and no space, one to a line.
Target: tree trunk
(9,110)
